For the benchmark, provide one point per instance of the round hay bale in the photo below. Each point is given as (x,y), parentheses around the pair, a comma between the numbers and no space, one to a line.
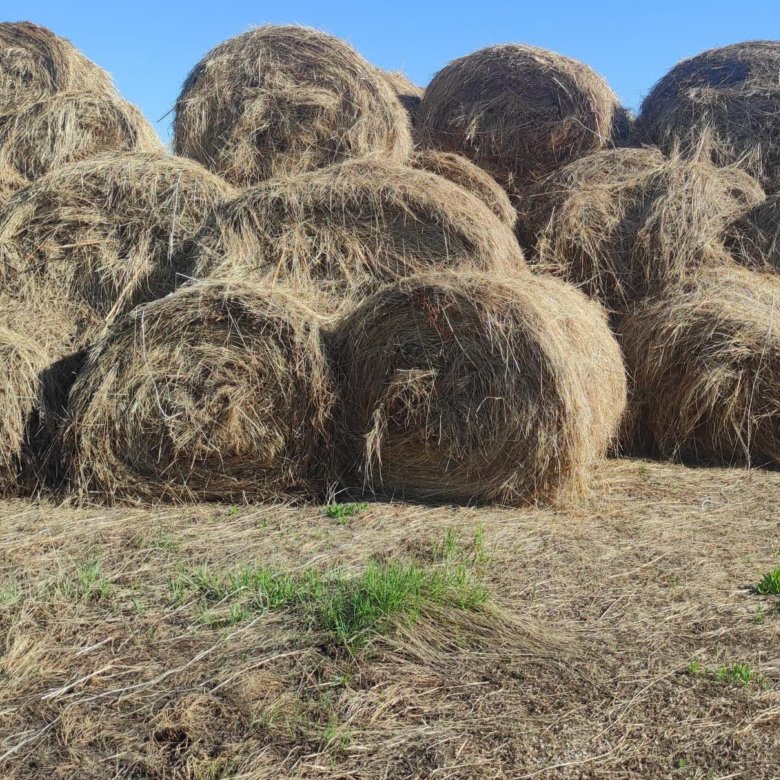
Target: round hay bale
(337,232)
(96,237)
(621,223)
(754,237)
(35,63)
(70,127)
(722,103)
(459,387)
(407,92)
(705,362)
(519,112)
(281,100)
(215,392)
(465,174)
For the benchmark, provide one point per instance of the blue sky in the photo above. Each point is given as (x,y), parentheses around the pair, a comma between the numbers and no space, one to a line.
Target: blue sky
(150,46)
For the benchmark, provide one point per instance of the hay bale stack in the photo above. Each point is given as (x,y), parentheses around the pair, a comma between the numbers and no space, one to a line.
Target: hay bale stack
(407,92)
(335,233)
(96,237)
(723,103)
(215,392)
(35,63)
(519,112)
(282,100)
(70,127)
(705,361)
(621,223)
(460,387)
(465,174)
(754,237)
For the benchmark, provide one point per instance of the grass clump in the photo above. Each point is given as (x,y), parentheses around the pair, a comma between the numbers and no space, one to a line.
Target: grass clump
(769,584)
(342,512)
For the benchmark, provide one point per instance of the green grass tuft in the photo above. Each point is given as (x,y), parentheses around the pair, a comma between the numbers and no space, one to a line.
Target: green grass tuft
(770,584)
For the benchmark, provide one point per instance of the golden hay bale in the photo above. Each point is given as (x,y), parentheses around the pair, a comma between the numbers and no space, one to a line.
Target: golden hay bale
(282,100)
(98,236)
(461,387)
(754,237)
(723,102)
(705,362)
(472,178)
(335,232)
(519,112)
(407,92)
(69,127)
(215,392)
(621,223)
(36,63)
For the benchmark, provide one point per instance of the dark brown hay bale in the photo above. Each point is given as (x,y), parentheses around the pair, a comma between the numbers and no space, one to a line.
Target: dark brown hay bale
(334,232)
(724,103)
(621,223)
(407,92)
(754,237)
(70,127)
(96,237)
(215,392)
(472,178)
(460,387)
(705,362)
(283,100)
(35,63)
(519,112)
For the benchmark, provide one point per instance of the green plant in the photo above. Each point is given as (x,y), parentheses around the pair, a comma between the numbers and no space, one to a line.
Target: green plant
(769,584)
(344,511)
(88,584)
(695,669)
(737,674)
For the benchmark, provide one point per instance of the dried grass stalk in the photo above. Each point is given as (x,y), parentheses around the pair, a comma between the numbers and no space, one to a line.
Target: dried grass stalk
(754,237)
(407,92)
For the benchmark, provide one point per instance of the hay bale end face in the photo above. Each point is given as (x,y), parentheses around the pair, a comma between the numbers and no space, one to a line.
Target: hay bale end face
(284,100)
(458,387)
(215,392)
(519,112)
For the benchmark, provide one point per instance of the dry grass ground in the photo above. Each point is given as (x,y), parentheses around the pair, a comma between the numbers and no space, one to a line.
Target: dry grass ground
(618,640)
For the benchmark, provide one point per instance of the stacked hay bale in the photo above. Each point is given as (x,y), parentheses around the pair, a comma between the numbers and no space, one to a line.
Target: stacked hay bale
(754,236)
(407,92)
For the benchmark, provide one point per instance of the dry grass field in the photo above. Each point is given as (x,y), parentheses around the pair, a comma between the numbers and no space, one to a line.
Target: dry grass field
(622,639)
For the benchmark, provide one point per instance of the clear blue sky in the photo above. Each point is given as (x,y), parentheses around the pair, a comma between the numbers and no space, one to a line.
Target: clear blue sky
(150,46)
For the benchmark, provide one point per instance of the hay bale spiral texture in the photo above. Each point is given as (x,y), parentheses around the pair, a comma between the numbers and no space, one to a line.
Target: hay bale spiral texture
(215,392)
(281,100)
(459,387)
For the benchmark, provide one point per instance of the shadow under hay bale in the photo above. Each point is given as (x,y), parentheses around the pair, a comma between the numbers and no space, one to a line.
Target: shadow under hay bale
(281,100)
(721,104)
(216,392)
(336,233)
(458,387)
(705,363)
(754,237)
(519,112)
(407,92)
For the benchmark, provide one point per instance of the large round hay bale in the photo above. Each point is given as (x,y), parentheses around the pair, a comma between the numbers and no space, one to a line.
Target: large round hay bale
(96,237)
(519,112)
(334,233)
(461,387)
(472,178)
(621,223)
(36,63)
(705,362)
(723,103)
(754,237)
(281,100)
(70,127)
(215,392)
(407,92)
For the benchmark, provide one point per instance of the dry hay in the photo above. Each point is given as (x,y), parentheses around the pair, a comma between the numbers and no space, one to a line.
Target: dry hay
(35,63)
(407,92)
(284,100)
(10,182)
(459,387)
(464,173)
(520,112)
(336,232)
(70,127)
(705,362)
(724,102)
(621,223)
(215,392)
(96,237)
(754,237)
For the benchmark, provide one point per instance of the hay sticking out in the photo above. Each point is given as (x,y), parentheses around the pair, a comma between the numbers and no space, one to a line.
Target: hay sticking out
(334,233)
(475,180)
(70,127)
(622,223)
(282,100)
(459,387)
(407,92)
(754,237)
(723,103)
(519,112)
(705,361)
(216,392)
